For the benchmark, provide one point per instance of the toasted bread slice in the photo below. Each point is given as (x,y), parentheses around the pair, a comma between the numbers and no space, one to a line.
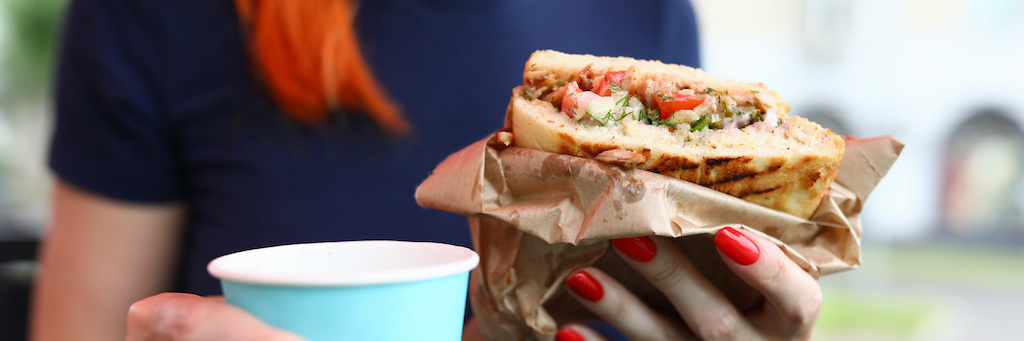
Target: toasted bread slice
(786,165)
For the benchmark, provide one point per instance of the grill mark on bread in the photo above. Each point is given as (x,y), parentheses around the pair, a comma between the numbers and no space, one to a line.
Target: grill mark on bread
(714,161)
(591,150)
(568,143)
(588,150)
(739,175)
(671,164)
(811,179)
(745,195)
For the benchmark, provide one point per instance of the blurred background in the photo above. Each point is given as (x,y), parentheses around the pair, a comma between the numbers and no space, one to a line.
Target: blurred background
(28,31)
(943,242)
(943,239)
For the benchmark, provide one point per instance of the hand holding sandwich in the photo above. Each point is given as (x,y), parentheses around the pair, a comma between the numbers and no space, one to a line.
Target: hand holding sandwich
(657,159)
(731,136)
(790,307)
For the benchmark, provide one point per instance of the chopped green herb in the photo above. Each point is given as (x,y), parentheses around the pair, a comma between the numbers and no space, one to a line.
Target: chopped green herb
(652,116)
(557,102)
(756,116)
(754,92)
(624,101)
(615,87)
(624,114)
(699,124)
(655,113)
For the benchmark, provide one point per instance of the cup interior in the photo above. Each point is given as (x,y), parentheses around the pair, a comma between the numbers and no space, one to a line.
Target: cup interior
(344,263)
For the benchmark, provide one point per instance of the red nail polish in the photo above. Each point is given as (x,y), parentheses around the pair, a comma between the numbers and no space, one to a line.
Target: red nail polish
(568,334)
(584,285)
(737,246)
(640,249)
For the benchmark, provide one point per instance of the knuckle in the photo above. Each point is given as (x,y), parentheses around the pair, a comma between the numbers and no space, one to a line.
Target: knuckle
(175,320)
(611,307)
(771,277)
(137,312)
(669,272)
(807,310)
(719,325)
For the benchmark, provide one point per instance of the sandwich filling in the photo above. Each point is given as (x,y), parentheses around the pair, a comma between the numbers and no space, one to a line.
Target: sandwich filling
(612,97)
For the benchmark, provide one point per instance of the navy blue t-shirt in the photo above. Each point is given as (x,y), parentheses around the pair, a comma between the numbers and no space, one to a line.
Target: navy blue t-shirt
(156,102)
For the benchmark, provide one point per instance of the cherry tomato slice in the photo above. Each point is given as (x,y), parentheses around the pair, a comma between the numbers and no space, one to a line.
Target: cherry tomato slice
(679,102)
(603,85)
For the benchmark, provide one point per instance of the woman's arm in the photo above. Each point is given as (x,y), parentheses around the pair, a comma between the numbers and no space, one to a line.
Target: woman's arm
(100,256)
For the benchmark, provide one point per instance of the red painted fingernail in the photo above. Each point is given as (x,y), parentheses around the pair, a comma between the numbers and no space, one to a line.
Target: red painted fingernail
(737,246)
(568,334)
(584,285)
(640,249)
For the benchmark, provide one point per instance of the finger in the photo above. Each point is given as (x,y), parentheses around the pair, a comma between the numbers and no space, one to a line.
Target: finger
(791,290)
(610,301)
(707,312)
(177,316)
(578,332)
(141,320)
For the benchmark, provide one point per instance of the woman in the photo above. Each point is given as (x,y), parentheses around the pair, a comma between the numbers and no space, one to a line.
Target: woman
(190,129)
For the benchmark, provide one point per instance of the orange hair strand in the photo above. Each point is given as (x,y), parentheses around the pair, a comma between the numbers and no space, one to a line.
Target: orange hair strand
(309,56)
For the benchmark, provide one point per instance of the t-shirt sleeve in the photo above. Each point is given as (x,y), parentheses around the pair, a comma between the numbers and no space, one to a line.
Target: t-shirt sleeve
(680,33)
(111,134)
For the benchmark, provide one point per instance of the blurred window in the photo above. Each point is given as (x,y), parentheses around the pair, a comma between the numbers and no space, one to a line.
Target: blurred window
(827,116)
(984,163)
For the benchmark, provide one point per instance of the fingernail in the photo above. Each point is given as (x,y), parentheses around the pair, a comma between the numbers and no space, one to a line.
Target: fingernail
(584,285)
(640,249)
(568,334)
(737,246)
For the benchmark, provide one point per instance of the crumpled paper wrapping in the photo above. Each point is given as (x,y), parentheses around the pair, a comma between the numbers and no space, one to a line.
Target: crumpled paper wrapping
(536,216)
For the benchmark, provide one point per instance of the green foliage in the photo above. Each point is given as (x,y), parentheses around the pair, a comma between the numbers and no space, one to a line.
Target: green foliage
(28,54)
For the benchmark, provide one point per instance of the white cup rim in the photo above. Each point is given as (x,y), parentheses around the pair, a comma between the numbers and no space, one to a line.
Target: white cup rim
(457,259)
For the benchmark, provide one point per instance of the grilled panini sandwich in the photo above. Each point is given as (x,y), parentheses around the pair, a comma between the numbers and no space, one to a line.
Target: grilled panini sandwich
(731,136)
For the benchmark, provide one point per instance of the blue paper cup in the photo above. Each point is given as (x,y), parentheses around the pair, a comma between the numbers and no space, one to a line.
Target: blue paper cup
(360,290)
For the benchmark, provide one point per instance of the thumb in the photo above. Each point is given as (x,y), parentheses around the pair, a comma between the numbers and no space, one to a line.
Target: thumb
(178,316)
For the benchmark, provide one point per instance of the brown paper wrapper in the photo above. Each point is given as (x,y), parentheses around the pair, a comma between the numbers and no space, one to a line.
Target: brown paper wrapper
(536,216)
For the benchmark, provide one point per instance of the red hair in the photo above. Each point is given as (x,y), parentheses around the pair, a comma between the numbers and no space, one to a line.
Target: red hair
(310,59)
